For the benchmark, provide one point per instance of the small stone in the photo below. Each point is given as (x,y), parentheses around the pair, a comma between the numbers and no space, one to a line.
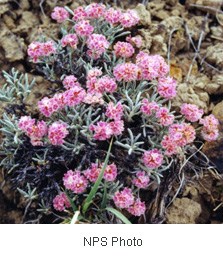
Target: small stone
(145,16)
(183,211)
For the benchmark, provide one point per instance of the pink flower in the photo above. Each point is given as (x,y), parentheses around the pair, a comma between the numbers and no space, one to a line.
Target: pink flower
(182,134)
(48,48)
(167,87)
(35,50)
(83,28)
(102,131)
(135,41)
(169,145)
(60,202)
(149,108)
(93,98)
(152,158)
(106,84)
(74,96)
(191,112)
(95,10)
(97,45)
(210,122)
(129,19)
(94,73)
(79,14)
(60,14)
(164,117)
(123,49)
(117,127)
(141,180)
(124,198)
(126,72)
(114,111)
(70,82)
(70,40)
(152,66)
(210,130)
(93,172)
(113,16)
(34,131)
(110,173)
(74,181)
(138,208)
(48,106)
(25,123)
(209,135)
(57,132)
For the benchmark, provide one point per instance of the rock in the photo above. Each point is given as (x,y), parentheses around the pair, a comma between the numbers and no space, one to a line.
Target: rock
(193,92)
(9,22)
(195,24)
(4,6)
(161,14)
(216,85)
(217,32)
(27,22)
(176,72)
(145,16)
(12,45)
(159,46)
(183,211)
(214,55)
(146,38)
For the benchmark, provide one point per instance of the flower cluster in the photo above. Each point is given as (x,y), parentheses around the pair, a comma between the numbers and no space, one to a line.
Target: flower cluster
(93,172)
(36,50)
(61,202)
(141,180)
(123,49)
(152,158)
(36,131)
(57,132)
(125,200)
(75,181)
(191,112)
(210,128)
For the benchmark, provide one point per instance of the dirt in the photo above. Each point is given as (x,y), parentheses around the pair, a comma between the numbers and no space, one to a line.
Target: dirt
(188,35)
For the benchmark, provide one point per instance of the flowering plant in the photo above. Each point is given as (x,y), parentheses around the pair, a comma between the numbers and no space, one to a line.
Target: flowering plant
(108,131)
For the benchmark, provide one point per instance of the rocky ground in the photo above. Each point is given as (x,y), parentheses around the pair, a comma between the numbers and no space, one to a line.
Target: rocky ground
(188,33)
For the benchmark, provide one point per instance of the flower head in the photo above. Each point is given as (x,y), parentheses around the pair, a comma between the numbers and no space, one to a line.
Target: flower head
(141,180)
(97,45)
(149,108)
(129,19)
(110,173)
(152,158)
(138,208)
(57,132)
(124,198)
(60,14)
(60,202)
(70,40)
(83,28)
(79,14)
(164,116)
(95,10)
(93,172)
(113,16)
(70,82)
(114,111)
(167,87)
(123,49)
(135,41)
(74,181)
(102,131)
(126,72)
